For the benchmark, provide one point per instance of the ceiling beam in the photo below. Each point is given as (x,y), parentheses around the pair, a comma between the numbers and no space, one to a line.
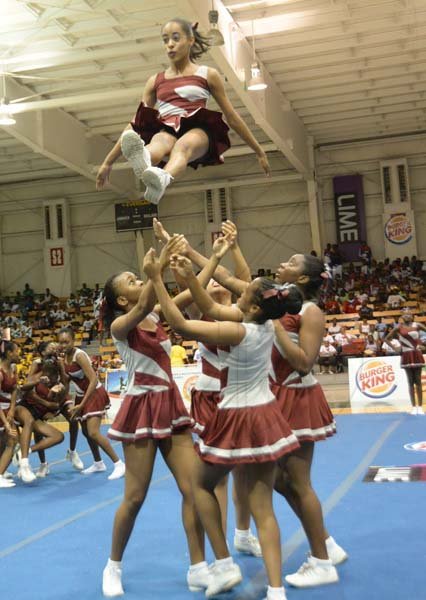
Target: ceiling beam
(57,135)
(269,108)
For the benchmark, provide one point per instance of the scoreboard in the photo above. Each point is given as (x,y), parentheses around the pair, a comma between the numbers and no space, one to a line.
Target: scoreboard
(133,216)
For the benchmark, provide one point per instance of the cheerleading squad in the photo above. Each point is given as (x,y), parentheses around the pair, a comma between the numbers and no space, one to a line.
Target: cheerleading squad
(25,410)
(256,409)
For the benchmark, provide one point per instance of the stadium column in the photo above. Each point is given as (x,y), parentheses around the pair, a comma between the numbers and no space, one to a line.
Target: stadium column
(57,247)
(315,214)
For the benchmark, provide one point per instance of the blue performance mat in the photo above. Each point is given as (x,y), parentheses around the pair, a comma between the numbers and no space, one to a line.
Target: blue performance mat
(56,533)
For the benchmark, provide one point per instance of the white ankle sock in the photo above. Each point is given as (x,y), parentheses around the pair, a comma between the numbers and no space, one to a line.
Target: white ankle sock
(198,566)
(116,564)
(224,562)
(242,533)
(322,562)
(275,593)
(24,462)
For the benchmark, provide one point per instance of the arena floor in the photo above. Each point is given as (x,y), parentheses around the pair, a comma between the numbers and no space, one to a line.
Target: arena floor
(56,533)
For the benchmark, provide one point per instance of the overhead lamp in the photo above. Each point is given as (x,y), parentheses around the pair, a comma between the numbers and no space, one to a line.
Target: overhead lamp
(214,34)
(5,116)
(256,82)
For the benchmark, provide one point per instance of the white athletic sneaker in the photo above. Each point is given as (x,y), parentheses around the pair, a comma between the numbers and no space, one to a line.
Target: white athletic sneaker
(223,578)
(97,467)
(275,594)
(76,461)
(118,471)
(111,580)
(133,149)
(199,578)
(312,574)
(6,483)
(8,475)
(248,545)
(26,473)
(420,410)
(156,181)
(43,470)
(413,410)
(336,553)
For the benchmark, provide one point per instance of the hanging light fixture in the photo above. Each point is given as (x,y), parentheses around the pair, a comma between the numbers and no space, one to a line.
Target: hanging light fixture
(5,116)
(214,33)
(256,82)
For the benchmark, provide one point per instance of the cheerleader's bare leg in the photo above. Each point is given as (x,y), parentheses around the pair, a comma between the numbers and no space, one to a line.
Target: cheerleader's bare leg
(179,455)
(260,485)
(244,540)
(160,146)
(139,458)
(94,448)
(192,145)
(304,500)
(47,436)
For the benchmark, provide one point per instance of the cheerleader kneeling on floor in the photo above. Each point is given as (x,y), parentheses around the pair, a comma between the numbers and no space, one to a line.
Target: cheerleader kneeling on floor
(248,428)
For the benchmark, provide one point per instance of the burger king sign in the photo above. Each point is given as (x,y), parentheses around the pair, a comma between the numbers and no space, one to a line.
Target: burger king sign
(377,381)
(398,229)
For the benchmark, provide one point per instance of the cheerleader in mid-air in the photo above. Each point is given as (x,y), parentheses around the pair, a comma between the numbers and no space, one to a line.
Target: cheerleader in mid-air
(182,128)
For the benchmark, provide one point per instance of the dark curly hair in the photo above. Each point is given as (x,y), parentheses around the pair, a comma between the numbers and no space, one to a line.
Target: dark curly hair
(276,300)
(201,44)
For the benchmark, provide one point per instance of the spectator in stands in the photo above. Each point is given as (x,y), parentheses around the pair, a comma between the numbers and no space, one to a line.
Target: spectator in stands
(327,357)
(334,327)
(365,312)
(371,347)
(365,253)
(335,260)
(71,301)
(97,292)
(178,356)
(84,291)
(28,292)
(351,304)
(364,327)
(332,306)
(59,314)
(17,302)
(47,298)
(327,254)
(88,325)
(395,299)
(343,338)
(380,327)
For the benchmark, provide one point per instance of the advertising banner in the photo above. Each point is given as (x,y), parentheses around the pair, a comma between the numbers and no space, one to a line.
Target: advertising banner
(116,384)
(350,214)
(378,382)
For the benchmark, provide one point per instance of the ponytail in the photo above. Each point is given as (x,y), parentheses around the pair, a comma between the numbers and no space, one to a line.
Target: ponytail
(201,43)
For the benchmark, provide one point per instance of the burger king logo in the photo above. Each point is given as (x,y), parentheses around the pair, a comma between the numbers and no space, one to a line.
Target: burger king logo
(416,446)
(376,379)
(398,229)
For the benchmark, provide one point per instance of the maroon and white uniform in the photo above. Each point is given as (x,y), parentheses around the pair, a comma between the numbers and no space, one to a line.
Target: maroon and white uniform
(301,399)
(67,400)
(38,410)
(98,402)
(205,394)
(181,105)
(152,406)
(7,386)
(248,425)
(411,355)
